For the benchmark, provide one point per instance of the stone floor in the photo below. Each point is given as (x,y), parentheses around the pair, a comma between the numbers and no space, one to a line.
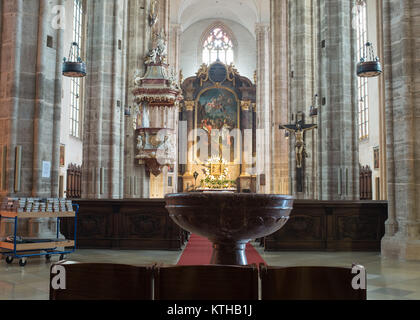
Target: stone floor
(387,280)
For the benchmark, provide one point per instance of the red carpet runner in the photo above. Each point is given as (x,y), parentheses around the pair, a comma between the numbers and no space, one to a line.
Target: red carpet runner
(198,252)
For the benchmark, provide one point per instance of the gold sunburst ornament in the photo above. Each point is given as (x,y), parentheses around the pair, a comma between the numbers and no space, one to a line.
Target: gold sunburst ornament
(216,176)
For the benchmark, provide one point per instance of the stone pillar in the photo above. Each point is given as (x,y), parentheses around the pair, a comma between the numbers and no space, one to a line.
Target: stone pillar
(302,88)
(30,97)
(338,130)
(247,144)
(382,112)
(105,100)
(31,53)
(263,109)
(174,46)
(402,84)
(279,97)
(138,43)
(188,178)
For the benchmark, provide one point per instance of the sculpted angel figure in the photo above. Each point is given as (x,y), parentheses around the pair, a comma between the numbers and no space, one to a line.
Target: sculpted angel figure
(140,142)
(151,57)
(162,50)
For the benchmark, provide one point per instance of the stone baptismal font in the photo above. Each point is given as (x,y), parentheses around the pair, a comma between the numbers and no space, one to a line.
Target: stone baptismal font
(229,220)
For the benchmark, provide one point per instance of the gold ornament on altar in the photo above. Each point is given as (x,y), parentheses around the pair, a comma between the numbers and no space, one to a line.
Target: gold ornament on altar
(203,73)
(216,176)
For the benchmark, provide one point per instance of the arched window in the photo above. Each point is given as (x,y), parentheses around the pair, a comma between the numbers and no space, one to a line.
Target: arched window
(76,87)
(218,45)
(363,83)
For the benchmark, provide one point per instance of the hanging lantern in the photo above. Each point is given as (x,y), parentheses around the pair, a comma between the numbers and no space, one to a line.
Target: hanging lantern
(369,66)
(77,68)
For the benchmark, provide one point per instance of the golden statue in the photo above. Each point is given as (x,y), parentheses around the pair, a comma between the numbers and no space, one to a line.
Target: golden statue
(298,130)
(181,77)
(232,72)
(203,73)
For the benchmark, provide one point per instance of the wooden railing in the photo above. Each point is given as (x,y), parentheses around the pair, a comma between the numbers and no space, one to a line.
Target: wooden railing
(74,182)
(365,183)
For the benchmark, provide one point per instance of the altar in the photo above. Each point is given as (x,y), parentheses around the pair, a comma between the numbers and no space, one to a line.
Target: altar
(219,110)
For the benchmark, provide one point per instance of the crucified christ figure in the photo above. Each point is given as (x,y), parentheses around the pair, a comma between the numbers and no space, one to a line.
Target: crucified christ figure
(298,130)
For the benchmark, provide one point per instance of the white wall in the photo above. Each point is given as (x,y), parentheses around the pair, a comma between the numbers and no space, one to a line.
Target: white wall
(367,146)
(246,52)
(73,146)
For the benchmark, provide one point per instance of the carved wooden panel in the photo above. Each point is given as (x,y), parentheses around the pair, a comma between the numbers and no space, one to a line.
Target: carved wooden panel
(332,225)
(125,224)
(303,227)
(357,227)
(314,225)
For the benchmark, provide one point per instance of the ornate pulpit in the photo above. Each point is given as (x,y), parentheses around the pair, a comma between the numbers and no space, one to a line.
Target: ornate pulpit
(157,96)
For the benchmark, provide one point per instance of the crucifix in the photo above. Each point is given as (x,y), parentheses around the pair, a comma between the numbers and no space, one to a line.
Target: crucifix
(299,129)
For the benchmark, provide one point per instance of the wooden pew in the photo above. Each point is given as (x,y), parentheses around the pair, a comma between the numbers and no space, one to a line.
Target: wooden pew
(210,282)
(101,281)
(309,283)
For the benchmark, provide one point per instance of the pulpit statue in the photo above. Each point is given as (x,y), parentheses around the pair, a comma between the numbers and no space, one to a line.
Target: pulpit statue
(153,15)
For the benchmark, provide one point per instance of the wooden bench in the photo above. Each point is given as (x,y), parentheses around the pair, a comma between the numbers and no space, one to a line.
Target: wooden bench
(209,282)
(101,281)
(309,283)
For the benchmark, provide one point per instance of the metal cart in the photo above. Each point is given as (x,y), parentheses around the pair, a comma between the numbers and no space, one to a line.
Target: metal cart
(38,247)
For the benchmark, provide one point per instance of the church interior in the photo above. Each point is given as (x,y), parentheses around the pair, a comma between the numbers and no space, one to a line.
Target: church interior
(193,149)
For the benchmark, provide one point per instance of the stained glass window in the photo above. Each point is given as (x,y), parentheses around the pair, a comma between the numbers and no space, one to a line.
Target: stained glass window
(218,46)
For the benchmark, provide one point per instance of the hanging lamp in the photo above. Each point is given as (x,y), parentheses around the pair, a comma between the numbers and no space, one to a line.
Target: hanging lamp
(77,68)
(369,65)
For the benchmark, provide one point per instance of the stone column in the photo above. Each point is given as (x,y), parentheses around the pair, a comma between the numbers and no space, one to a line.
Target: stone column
(302,88)
(138,43)
(105,100)
(174,49)
(263,109)
(402,83)
(246,128)
(382,112)
(30,98)
(338,131)
(188,178)
(279,97)
(31,53)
